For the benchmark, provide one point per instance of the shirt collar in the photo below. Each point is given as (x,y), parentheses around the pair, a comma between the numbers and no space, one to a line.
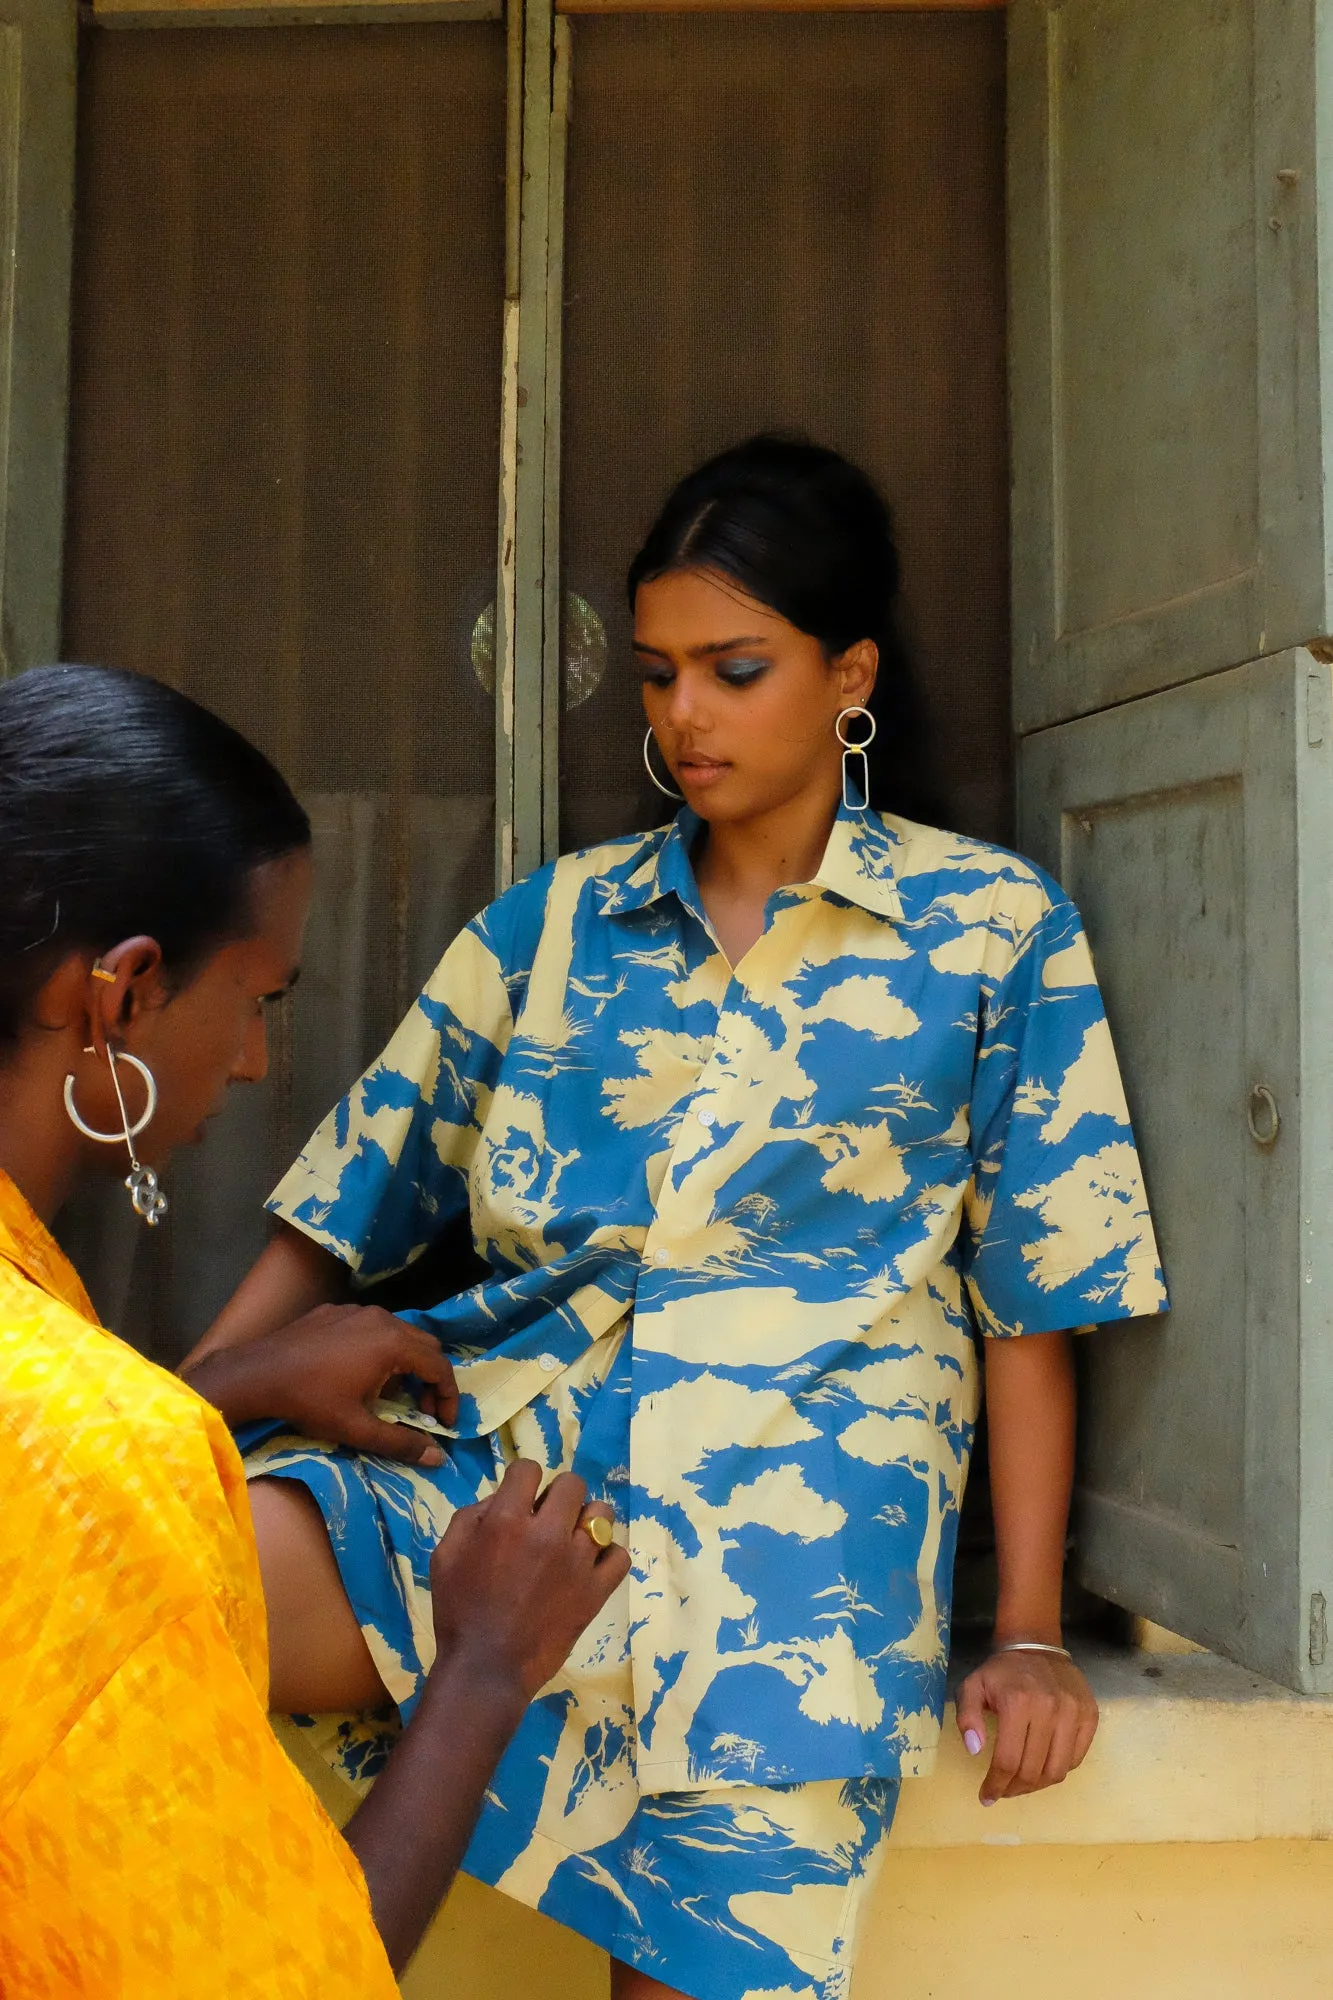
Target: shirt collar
(857,865)
(858,862)
(662,869)
(28,1244)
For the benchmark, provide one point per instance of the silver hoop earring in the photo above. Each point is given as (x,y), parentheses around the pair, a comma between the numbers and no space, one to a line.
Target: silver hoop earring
(145,1194)
(854,755)
(647,765)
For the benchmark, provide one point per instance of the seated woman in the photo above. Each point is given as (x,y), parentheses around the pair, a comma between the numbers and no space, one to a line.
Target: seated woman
(762,1120)
(154,1839)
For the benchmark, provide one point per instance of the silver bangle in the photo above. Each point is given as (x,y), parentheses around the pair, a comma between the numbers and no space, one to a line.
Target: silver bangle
(1032,1646)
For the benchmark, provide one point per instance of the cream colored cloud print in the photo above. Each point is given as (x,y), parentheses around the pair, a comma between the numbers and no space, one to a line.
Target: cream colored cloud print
(744,1228)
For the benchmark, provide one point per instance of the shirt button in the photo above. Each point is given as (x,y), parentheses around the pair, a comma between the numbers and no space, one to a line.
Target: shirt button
(661,1256)
(547,1363)
(708,1117)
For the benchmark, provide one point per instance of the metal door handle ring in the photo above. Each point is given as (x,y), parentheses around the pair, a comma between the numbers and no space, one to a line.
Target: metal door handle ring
(1264,1104)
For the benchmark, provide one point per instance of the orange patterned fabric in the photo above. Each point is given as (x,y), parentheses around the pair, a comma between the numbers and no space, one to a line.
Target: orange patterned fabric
(154,1839)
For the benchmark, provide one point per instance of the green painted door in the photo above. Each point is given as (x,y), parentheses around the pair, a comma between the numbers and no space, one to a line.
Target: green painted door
(1170,570)
(1167,337)
(1194,829)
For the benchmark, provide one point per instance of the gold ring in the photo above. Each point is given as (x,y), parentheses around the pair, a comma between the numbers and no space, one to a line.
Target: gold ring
(599,1528)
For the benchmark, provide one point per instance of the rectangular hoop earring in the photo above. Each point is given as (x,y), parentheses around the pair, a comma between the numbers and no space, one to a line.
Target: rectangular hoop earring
(855,781)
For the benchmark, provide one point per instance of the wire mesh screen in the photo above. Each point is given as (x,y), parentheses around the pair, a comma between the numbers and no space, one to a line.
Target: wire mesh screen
(790,221)
(289,281)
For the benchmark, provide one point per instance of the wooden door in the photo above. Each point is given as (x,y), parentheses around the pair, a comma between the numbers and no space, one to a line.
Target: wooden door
(1170,564)
(285,446)
(1195,830)
(789,221)
(1168,450)
(37,100)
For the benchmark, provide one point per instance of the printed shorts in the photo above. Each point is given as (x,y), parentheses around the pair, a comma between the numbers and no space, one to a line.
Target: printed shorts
(744,1892)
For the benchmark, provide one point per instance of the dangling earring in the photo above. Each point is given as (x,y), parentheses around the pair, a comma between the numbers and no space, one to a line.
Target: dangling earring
(147,1197)
(647,765)
(854,754)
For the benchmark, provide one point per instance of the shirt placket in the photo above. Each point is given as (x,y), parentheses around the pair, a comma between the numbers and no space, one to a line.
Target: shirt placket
(715,1091)
(718,1112)
(717,1101)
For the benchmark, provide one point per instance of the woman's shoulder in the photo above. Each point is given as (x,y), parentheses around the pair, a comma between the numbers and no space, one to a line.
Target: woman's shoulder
(97,1414)
(936,861)
(513,923)
(615,860)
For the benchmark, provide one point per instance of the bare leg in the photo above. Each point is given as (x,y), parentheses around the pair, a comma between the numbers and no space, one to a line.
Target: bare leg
(627,1984)
(318,1659)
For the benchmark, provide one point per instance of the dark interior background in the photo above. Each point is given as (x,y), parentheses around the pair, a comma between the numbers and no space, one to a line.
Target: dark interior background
(791,221)
(289,274)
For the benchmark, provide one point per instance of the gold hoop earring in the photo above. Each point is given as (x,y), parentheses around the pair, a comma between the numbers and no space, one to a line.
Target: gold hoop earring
(146,1196)
(647,765)
(854,755)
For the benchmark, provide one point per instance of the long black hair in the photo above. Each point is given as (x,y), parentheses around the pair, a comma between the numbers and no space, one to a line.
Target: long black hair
(125,808)
(808,534)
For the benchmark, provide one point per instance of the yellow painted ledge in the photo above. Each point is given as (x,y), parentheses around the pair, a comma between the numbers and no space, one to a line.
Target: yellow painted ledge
(1222,1921)
(1185,1861)
(1190,1748)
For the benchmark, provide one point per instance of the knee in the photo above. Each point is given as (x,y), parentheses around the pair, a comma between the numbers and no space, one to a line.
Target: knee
(318,1657)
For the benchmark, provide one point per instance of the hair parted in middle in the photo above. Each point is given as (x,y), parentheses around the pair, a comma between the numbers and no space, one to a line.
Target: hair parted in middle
(807,534)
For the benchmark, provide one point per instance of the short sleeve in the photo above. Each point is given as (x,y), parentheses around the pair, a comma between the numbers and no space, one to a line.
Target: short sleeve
(1057,1229)
(388,1168)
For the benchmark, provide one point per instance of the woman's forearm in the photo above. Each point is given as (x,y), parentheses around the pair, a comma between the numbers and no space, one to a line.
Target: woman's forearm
(1030,1426)
(411,1833)
(291,1277)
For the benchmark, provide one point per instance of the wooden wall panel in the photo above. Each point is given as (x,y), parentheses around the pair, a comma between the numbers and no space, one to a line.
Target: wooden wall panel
(291,13)
(776,6)
(256,13)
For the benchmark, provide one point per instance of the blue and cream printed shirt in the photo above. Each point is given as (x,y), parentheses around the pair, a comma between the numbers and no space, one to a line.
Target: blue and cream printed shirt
(806,1184)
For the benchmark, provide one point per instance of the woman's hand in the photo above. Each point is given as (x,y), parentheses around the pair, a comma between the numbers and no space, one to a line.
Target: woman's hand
(1047,1717)
(514,1582)
(1045,1709)
(322,1372)
(516,1578)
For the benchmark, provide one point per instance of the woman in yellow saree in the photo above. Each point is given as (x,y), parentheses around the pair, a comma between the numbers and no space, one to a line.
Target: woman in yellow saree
(154,1840)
